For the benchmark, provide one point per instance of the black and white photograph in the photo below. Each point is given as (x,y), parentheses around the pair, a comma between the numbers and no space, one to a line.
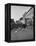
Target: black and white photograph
(21,22)
(17,22)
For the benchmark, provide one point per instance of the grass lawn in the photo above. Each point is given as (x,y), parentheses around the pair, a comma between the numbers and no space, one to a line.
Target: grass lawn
(22,33)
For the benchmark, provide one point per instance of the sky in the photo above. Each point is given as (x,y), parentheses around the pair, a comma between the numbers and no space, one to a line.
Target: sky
(18,11)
